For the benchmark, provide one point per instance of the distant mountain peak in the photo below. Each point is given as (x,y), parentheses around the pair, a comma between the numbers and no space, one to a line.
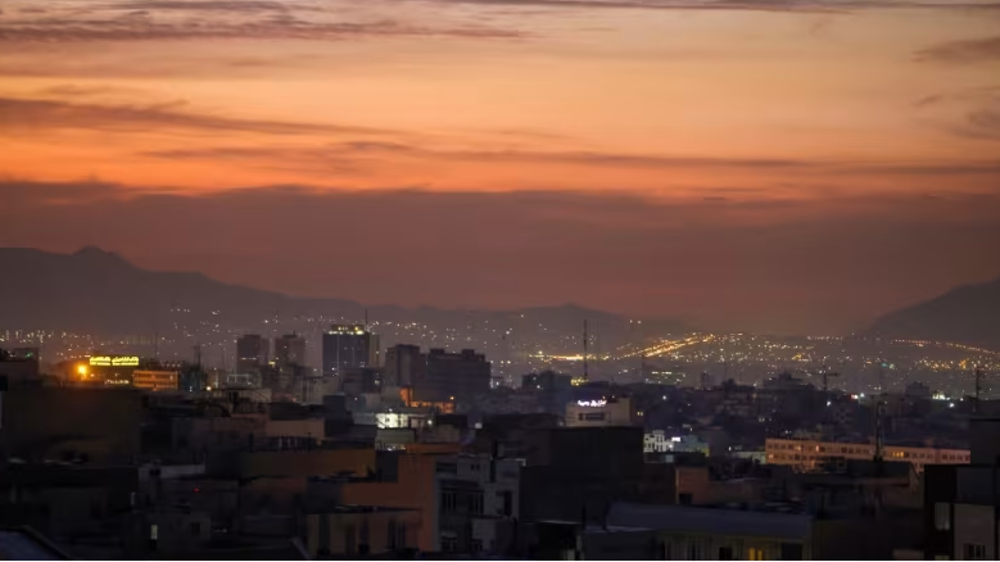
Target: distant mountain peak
(90,251)
(93,253)
(965,314)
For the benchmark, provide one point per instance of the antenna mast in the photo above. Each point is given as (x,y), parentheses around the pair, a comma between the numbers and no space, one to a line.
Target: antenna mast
(979,388)
(879,422)
(586,337)
(642,353)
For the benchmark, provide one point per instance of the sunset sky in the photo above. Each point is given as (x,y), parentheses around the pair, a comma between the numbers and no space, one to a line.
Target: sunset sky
(767,165)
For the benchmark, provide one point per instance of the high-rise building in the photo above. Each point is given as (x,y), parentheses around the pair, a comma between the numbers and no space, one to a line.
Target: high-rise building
(404,364)
(289,351)
(251,353)
(452,376)
(349,346)
(553,390)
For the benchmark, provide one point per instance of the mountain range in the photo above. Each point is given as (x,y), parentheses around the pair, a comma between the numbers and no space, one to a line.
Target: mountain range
(95,291)
(969,314)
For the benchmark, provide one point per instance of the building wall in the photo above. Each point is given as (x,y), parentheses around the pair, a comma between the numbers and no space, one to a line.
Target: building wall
(155,380)
(19,365)
(348,346)
(809,455)
(343,533)
(65,500)
(306,463)
(681,546)
(177,532)
(251,353)
(599,413)
(307,428)
(416,488)
(479,499)
(290,350)
(202,436)
(102,423)
(627,545)
(452,376)
(975,531)
(403,365)
(460,498)
(696,533)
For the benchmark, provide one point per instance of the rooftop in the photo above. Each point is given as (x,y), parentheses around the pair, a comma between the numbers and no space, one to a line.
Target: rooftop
(757,521)
(24,543)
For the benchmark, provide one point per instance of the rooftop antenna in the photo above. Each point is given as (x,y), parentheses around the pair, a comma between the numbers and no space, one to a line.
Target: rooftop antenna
(879,425)
(197,355)
(642,351)
(979,388)
(470,326)
(586,337)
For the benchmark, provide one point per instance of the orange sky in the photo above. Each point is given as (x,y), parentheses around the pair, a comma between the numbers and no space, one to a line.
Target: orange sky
(839,106)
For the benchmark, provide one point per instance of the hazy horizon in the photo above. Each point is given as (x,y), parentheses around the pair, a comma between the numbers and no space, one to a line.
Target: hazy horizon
(691,323)
(767,166)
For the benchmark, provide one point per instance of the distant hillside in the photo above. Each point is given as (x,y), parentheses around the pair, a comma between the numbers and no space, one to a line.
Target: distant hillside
(94,291)
(969,315)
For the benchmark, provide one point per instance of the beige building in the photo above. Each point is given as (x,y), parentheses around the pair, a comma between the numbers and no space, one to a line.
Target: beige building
(346,531)
(155,380)
(809,455)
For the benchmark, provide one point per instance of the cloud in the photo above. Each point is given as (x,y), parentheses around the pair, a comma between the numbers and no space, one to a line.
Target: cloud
(206,5)
(814,6)
(341,154)
(145,29)
(929,100)
(139,20)
(19,115)
(762,5)
(40,61)
(980,112)
(725,262)
(369,148)
(962,52)
(982,123)
(75,90)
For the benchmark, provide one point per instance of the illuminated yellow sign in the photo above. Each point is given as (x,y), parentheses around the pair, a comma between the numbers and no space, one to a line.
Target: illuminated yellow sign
(114,361)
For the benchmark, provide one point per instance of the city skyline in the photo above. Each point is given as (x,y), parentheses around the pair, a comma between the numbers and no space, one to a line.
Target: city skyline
(765,166)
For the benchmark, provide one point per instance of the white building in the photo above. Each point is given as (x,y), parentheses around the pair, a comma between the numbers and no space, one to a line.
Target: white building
(600,413)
